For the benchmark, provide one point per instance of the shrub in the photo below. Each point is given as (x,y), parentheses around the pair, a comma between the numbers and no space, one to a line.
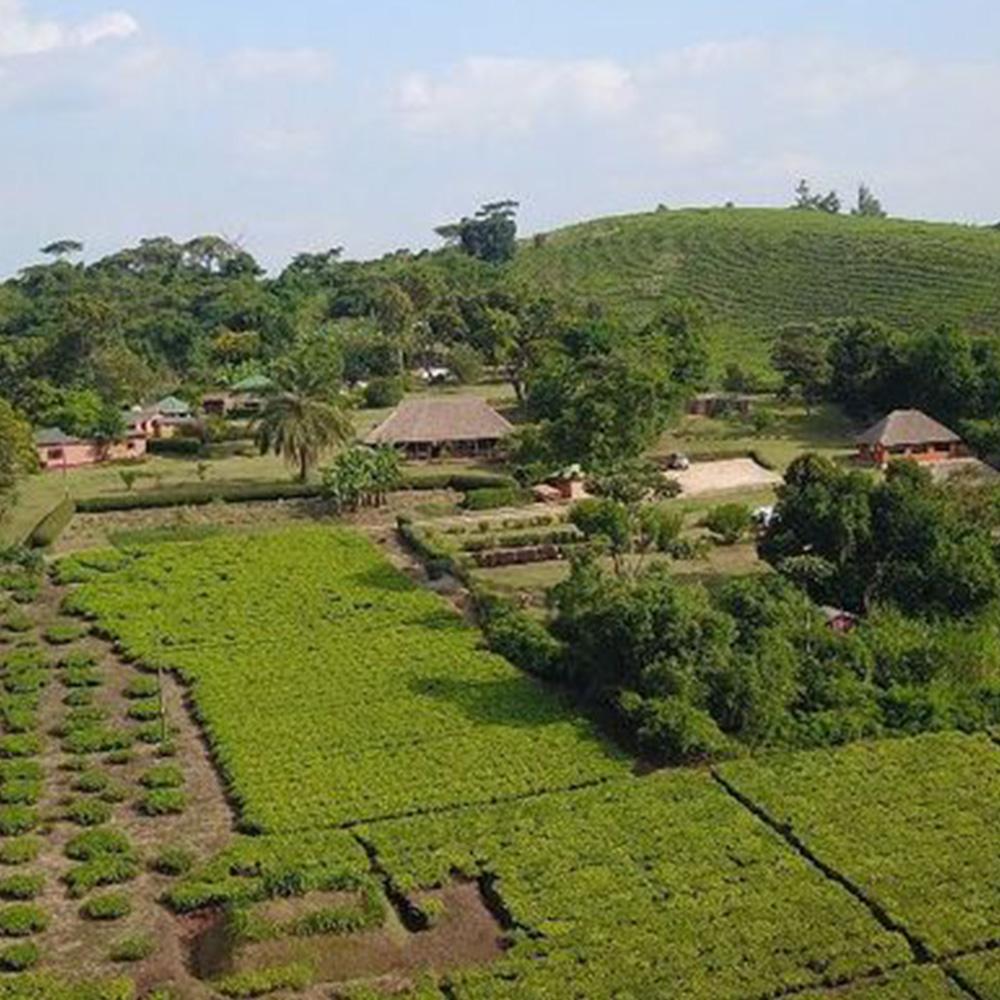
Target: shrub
(119,758)
(22,919)
(19,850)
(19,957)
(15,820)
(24,793)
(114,793)
(142,687)
(520,638)
(87,812)
(175,446)
(163,776)
(382,393)
(729,521)
(494,497)
(50,527)
(163,802)
(240,985)
(200,495)
(21,770)
(111,906)
(77,659)
(132,949)
(173,861)
(97,739)
(18,621)
(145,710)
(99,843)
(90,782)
(63,634)
(20,745)
(22,886)
(111,869)
(81,677)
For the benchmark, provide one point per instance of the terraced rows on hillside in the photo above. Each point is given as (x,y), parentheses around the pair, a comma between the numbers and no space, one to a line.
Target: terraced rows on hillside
(755,269)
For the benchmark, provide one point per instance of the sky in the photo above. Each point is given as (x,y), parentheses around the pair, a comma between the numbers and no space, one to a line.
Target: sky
(307,124)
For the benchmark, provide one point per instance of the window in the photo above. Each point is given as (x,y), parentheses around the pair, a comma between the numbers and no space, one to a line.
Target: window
(54,455)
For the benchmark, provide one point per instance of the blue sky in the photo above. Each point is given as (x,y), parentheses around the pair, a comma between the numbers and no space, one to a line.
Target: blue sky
(311,123)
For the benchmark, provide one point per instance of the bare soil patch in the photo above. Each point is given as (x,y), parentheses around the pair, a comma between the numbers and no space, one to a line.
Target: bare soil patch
(466,933)
(725,476)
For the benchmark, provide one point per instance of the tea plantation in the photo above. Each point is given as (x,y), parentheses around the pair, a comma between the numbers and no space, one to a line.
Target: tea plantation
(755,269)
(375,751)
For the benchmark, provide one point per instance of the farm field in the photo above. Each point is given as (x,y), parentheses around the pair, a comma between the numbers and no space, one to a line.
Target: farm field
(920,844)
(309,639)
(756,269)
(421,814)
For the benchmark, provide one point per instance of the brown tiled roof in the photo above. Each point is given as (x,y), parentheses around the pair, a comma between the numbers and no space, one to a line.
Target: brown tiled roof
(437,421)
(902,427)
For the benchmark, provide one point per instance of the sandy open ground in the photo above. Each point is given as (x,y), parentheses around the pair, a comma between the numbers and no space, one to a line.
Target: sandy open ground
(724,476)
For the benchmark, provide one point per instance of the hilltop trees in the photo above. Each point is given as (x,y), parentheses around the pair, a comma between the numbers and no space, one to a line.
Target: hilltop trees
(490,235)
(868,205)
(805,200)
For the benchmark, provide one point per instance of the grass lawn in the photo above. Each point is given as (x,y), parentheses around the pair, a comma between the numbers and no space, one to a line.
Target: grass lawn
(793,431)
(723,562)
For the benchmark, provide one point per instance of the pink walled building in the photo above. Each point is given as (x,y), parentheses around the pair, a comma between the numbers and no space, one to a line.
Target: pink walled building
(57,450)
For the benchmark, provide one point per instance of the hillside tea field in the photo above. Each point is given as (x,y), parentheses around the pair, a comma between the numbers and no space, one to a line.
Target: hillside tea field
(755,269)
(332,689)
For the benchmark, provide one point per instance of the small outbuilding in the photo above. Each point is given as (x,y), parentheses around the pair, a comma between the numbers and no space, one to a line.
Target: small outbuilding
(909,434)
(442,428)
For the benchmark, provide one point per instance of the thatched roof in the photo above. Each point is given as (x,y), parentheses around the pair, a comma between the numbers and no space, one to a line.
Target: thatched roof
(437,421)
(908,427)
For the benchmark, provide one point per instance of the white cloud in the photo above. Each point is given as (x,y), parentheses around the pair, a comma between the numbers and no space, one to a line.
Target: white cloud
(713,58)
(829,81)
(23,35)
(305,65)
(682,136)
(484,92)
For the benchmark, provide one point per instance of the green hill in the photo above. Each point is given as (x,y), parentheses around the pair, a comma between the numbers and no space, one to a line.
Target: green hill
(756,269)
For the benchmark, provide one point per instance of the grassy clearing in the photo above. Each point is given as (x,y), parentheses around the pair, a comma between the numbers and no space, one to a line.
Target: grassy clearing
(793,431)
(722,563)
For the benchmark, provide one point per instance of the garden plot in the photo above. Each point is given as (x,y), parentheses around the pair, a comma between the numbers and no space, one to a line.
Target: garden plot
(728,475)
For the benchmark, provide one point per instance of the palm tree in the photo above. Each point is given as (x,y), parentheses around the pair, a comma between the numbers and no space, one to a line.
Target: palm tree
(300,427)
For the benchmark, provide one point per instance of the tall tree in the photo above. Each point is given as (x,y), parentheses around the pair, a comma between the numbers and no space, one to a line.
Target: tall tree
(868,205)
(490,235)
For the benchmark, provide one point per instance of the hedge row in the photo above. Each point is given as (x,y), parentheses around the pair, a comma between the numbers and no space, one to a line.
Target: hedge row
(461,482)
(199,495)
(50,527)
(493,498)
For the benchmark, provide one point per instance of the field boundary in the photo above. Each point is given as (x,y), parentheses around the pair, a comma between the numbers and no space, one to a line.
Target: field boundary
(921,953)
